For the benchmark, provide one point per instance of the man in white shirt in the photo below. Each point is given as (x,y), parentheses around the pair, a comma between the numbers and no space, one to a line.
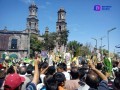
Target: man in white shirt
(62,67)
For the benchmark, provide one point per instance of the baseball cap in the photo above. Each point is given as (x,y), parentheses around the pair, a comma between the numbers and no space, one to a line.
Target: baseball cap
(1,66)
(14,80)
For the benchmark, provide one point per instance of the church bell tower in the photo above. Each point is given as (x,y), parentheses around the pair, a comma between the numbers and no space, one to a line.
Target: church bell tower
(61,22)
(60,26)
(32,20)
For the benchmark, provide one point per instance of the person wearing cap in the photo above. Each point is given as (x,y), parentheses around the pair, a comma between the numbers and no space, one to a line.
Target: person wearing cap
(13,82)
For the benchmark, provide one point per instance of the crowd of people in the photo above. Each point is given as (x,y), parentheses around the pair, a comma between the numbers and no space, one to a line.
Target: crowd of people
(88,74)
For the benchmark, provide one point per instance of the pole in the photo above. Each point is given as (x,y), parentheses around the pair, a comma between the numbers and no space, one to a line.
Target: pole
(29,34)
(96,42)
(108,42)
(108,39)
(101,47)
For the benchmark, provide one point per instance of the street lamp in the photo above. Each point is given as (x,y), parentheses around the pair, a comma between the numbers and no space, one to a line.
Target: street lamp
(101,41)
(96,41)
(108,38)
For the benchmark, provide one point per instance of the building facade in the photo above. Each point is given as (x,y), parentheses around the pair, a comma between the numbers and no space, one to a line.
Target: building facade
(18,42)
(14,42)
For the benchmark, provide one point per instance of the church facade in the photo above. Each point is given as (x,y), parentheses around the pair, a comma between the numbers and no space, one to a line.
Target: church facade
(18,42)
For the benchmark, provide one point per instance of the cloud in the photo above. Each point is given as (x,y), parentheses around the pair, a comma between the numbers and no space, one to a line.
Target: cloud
(51,18)
(42,6)
(48,3)
(74,27)
(45,5)
(27,1)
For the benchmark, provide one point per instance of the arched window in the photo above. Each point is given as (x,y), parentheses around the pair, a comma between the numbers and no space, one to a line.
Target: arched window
(14,44)
(60,28)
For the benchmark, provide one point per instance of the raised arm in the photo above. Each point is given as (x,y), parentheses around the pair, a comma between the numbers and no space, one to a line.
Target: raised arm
(36,73)
(100,74)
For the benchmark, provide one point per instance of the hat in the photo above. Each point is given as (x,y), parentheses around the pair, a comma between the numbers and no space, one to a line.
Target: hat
(14,80)
(1,66)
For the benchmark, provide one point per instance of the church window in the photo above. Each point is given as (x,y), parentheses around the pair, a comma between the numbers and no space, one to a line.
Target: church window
(60,27)
(30,24)
(14,44)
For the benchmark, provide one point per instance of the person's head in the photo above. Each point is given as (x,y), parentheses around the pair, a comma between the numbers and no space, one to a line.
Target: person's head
(82,71)
(61,67)
(10,70)
(106,54)
(92,79)
(30,68)
(74,73)
(50,70)
(117,83)
(43,65)
(22,70)
(117,74)
(50,83)
(59,78)
(115,64)
(99,66)
(13,82)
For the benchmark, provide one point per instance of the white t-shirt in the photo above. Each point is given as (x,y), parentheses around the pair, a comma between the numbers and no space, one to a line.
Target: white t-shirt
(39,86)
(67,75)
(85,87)
(42,77)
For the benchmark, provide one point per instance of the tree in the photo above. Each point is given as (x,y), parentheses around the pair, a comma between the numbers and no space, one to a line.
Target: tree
(50,41)
(74,47)
(86,49)
(63,37)
(35,44)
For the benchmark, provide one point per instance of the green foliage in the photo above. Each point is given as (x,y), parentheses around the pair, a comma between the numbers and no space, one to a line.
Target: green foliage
(78,49)
(74,47)
(63,37)
(50,41)
(35,44)
(86,49)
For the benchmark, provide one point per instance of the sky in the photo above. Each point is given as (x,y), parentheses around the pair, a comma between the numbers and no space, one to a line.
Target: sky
(83,21)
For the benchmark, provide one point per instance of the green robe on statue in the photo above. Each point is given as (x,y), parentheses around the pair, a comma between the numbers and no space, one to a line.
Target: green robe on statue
(108,65)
